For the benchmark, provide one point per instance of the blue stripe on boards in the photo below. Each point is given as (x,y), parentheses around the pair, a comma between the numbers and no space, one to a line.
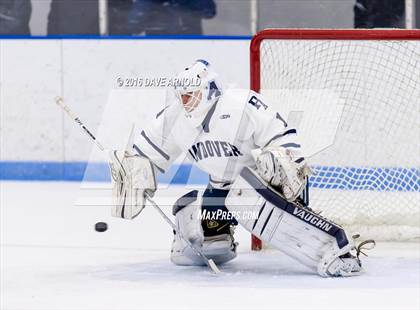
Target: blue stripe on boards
(325,177)
(90,172)
(53,171)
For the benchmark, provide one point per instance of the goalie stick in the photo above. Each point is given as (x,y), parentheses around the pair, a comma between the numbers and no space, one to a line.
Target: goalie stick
(209,262)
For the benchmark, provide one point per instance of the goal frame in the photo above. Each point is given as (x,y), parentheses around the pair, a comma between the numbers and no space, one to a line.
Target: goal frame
(315,34)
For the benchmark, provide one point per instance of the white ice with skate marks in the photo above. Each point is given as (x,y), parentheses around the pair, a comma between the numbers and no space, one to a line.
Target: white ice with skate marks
(51,258)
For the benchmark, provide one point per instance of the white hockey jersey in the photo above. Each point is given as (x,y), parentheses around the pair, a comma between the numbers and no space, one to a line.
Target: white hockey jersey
(221,145)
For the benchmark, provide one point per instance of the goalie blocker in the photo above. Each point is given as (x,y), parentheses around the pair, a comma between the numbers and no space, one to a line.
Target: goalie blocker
(293,229)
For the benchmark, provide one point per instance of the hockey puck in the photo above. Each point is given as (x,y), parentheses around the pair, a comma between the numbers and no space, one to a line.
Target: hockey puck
(101,226)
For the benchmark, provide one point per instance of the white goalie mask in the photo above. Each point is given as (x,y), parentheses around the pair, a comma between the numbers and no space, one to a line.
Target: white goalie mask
(197,89)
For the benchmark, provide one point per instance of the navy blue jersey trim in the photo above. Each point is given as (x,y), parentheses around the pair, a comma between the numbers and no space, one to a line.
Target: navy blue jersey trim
(158,149)
(288,132)
(291,145)
(299,160)
(161,112)
(144,155)
(206,121)
(278,116)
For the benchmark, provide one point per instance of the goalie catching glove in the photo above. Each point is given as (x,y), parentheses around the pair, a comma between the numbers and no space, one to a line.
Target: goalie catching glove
(276,165)
(133,178)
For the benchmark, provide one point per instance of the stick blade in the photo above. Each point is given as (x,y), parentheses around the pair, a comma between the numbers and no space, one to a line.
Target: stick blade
(213,267)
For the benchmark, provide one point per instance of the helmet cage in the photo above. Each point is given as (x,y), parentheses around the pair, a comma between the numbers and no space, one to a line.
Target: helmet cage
(191,100)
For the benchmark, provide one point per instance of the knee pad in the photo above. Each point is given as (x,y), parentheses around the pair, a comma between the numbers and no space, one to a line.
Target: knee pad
(187,210)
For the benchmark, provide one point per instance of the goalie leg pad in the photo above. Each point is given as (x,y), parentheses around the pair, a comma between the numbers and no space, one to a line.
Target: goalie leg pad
(220,248)
(293,229)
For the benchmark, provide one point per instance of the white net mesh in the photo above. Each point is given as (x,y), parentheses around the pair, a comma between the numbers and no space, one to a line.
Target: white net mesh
(359,107)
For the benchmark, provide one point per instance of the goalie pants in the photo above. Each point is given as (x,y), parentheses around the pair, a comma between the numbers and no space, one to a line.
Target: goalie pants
(214,202)
(213,235)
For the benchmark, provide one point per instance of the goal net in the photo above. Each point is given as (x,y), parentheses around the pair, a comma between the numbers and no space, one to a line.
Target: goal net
(354,96)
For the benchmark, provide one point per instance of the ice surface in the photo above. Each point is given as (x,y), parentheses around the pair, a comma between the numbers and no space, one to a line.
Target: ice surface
(51,258)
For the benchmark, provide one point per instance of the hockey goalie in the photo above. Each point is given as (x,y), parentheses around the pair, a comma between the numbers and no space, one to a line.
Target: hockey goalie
(254,162)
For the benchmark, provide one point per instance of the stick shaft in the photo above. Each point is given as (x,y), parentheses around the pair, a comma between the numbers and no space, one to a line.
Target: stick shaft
(59,101)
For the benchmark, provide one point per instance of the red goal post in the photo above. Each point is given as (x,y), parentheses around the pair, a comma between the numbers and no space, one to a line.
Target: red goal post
(258,40)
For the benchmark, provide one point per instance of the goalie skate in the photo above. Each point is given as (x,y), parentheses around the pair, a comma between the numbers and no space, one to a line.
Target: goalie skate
(220,247)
